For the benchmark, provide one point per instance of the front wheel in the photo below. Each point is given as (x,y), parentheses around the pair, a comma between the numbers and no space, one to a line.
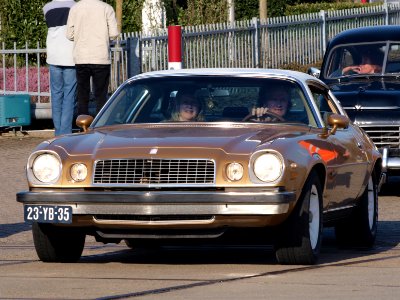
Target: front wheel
(299,239)
(57,244)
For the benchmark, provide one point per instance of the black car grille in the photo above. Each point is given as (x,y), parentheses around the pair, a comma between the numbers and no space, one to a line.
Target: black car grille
(384,136)
(154,171)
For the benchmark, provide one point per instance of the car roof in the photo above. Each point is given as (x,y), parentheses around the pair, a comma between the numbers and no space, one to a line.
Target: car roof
(367,34)
(235,72)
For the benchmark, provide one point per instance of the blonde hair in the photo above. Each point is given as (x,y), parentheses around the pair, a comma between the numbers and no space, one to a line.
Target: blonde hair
(175,115)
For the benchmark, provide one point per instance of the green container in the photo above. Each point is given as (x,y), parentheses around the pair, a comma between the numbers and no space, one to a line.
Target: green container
(15,110)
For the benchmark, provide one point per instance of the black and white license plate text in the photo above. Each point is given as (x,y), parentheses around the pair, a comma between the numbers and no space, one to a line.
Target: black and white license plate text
(48,214)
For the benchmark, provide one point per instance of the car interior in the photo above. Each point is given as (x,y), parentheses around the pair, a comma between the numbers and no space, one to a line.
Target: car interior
(221,102)
(348,55)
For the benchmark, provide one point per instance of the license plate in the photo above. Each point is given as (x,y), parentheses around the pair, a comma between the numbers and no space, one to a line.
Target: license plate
(48,214)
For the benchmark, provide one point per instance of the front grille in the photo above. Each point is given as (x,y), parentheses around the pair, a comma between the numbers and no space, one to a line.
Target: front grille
(384,136)
(154,171)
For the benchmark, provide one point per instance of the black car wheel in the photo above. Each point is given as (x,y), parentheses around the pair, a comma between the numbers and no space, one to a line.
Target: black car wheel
(57,244)
(359,229)
(299,239)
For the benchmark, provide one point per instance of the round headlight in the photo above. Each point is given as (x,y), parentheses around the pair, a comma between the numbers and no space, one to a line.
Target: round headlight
(234,171)
(46,168)
(78,172)
(268,167)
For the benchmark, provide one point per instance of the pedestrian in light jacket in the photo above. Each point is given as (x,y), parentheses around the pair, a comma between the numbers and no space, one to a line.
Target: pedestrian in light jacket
(91,25)
(61,65)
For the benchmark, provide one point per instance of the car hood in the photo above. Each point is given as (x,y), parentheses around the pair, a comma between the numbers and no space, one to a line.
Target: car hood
(366,101)
(173,140)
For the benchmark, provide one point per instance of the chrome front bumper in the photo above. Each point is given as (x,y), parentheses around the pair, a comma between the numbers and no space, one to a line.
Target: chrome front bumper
(163,202)
(389,162)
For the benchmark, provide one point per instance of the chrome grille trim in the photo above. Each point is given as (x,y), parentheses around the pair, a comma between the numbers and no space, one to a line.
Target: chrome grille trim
(384,136)
(154,172)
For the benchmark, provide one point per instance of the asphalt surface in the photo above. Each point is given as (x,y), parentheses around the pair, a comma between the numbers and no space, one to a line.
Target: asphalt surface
(116,272)
(14,153)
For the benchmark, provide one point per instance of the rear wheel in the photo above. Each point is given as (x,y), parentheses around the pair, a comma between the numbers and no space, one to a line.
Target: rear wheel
(299,239)
(359,229)
(57,244)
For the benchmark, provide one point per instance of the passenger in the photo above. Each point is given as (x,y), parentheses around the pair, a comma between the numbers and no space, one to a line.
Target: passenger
(188,108)
(275,100)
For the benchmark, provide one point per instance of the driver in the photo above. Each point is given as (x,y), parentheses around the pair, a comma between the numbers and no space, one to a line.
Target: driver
(275,100)
(370,64)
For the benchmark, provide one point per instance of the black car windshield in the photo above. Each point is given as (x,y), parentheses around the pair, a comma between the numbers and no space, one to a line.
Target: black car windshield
(372,59)
(204,99)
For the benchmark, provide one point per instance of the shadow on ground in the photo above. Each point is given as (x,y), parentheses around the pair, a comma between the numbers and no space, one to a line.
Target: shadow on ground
(388,237)
(7,230)
(391,187)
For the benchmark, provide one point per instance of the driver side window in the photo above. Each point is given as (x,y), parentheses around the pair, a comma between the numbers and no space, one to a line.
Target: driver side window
(322,100)
(341,58)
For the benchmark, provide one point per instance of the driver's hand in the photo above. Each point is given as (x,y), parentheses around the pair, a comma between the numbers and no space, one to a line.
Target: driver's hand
(259,111)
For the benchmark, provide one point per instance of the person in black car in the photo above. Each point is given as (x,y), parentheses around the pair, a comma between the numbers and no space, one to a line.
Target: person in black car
(371,63)
(360,60)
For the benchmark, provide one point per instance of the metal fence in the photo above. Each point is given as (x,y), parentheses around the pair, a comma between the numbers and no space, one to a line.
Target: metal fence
(283,42)
(276,43)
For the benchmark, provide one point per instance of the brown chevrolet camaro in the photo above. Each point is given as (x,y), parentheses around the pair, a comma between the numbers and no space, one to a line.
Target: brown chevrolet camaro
(232,155)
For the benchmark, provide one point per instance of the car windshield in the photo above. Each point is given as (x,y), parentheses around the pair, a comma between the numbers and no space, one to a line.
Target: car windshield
(204,99)
(364,59)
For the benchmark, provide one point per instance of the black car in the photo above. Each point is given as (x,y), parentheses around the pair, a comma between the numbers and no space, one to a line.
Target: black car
(362,67)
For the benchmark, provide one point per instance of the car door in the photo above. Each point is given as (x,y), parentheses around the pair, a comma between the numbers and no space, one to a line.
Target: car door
(348,165)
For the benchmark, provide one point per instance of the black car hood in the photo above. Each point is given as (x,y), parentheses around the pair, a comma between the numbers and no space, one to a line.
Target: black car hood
(367,101)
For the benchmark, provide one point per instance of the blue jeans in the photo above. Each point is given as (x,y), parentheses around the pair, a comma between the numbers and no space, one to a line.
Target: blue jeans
(63,97)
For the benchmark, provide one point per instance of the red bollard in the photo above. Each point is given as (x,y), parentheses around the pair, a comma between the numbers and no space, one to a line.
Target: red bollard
(174,47)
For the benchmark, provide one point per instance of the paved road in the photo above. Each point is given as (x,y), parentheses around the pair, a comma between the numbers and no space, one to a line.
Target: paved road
(116,272)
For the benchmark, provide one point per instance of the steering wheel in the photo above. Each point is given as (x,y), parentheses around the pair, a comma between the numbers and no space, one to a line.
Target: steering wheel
(265,117)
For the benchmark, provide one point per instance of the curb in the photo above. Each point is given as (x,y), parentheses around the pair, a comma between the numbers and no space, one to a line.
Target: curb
(45,134)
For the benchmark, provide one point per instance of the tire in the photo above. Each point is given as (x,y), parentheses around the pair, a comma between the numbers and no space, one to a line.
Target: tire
(299,238)
(360,228)
(57,244)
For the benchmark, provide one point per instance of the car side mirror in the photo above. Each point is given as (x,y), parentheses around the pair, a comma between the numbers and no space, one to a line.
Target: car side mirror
(84,121)
(314,72)
(336,121)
